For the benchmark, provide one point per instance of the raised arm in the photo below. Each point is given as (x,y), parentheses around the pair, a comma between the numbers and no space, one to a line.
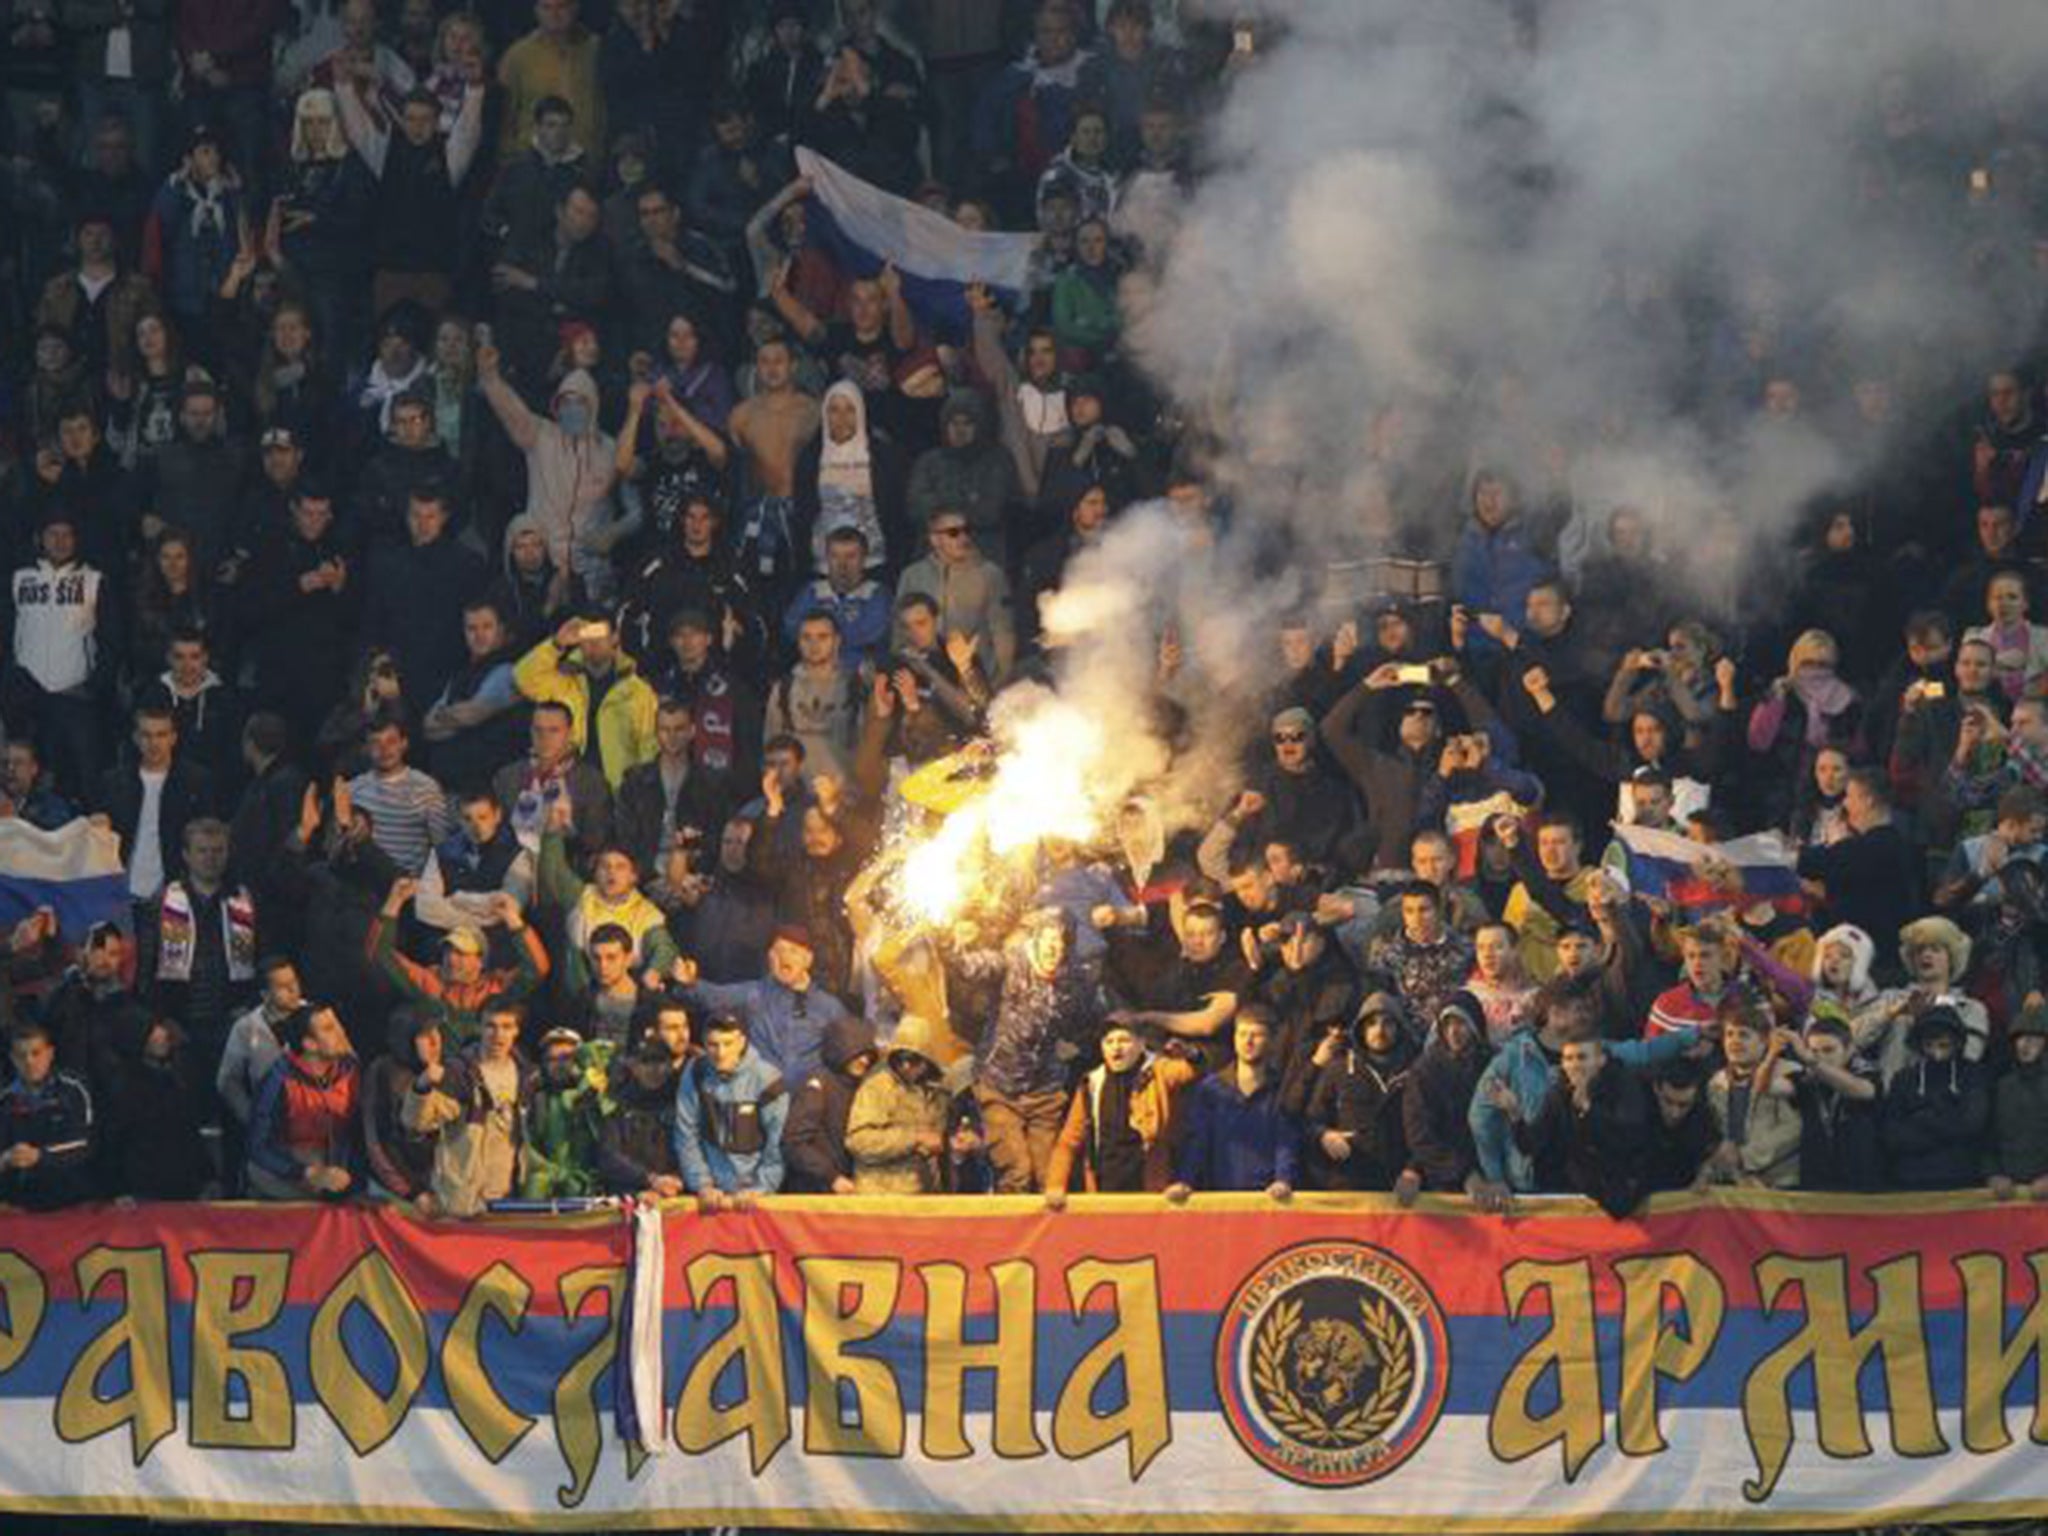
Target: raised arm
(366,135)
(760,247)
(902,324)
(626,461)
(799,319)
(520,424)
(465,134)
(704,436)
(995,366)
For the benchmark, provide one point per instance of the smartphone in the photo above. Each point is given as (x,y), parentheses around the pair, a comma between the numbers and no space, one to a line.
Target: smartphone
(596,629)
(1980,181)
(1412,672)
(1243,40)
(1934,690)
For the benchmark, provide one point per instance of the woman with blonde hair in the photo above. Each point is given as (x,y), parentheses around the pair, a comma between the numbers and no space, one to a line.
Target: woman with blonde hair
(1806,711)
(317,229)
(462,61)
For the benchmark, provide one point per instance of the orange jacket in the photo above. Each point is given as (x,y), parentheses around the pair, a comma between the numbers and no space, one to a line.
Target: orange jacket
(1155,1106)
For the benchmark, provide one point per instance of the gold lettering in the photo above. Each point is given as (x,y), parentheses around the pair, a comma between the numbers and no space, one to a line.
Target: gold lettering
(489,1420)
(831,1324)
(1654,1348)
(1569,1348)
(1837,1353)
(143,1332)
(1136,1342)
(366,1417)
(579,1431)
(1011,1354)
(755,1339)
(222,1311)
(1990,1361)
(26,1296)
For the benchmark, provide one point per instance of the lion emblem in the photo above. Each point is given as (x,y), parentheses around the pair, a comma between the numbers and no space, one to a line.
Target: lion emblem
(1330,1360)
(1332,1363)
(1331,1381)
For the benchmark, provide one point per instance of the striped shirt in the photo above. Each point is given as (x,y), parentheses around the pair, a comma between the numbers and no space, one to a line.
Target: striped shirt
(408,814)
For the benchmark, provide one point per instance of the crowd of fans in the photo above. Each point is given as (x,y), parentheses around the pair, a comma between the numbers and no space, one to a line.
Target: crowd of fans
(502,576)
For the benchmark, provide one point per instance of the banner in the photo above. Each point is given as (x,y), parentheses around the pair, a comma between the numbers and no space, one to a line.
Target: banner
(1234,1365)
(864,227)
(75,871)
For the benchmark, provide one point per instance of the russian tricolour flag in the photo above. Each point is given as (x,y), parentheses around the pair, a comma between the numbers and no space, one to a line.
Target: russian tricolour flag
(863,227)
(1662,866)
(75,871)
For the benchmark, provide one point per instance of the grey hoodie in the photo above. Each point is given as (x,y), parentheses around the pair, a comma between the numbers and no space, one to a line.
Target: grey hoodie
(569,477)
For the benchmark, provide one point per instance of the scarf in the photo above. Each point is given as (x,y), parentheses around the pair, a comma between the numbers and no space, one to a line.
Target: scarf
(1825,696)
(1044,410)
(380,389)
(209,214)
(537,795)
(2012,645)
(1065,76)
(178,935)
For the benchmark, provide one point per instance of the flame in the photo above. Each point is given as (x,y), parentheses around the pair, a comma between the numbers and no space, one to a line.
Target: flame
(1049,758)
(936,877)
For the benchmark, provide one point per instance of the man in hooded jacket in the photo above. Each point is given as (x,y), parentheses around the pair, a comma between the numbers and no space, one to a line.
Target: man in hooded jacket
(1935,1111)
(814,1138)
(570,464)
(1354,1138)
(2018,1153)
(969,473)
(401,1159)
(1436,1098)
(896,1127)
(636,1146)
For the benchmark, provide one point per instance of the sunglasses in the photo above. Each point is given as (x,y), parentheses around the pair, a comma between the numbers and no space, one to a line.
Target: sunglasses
(950,533)
(1289,738)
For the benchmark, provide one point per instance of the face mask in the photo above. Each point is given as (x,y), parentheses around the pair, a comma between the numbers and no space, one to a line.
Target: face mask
(573,417)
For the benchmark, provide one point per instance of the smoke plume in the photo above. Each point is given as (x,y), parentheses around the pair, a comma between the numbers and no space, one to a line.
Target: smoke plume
(1574,241)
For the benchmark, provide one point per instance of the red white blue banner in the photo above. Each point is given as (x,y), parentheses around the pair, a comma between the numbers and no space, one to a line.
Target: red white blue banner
(1336,1363)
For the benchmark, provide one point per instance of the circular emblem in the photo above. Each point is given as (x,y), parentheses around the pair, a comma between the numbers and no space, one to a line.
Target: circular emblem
(1331,1364)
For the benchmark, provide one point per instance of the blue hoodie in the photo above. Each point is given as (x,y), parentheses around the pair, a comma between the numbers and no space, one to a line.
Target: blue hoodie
(728,1130)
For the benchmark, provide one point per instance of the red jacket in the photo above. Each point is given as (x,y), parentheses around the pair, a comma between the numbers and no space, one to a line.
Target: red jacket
(303,1117)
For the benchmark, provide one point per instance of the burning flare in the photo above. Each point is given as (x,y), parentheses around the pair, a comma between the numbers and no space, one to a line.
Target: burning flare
(1048,781)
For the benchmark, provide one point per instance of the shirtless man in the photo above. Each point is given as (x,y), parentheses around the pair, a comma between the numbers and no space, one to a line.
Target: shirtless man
(770,430)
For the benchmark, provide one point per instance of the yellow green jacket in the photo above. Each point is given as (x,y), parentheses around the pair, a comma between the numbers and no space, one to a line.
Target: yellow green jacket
(625,720)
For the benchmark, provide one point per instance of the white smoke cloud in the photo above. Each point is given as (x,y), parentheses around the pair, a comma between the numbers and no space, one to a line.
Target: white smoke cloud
(1416,226)
(1540,245)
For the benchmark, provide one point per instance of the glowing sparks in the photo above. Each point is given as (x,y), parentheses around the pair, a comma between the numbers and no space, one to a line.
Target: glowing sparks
(1048,766)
